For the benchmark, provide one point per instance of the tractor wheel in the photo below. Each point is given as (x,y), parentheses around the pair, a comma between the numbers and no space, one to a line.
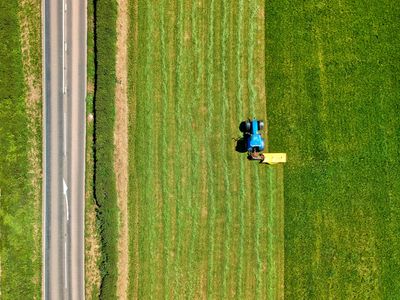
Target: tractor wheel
(242,127)
(248,126)
(260,125)
(245,126)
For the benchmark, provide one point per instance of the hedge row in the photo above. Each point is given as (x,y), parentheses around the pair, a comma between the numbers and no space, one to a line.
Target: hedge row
(105,14)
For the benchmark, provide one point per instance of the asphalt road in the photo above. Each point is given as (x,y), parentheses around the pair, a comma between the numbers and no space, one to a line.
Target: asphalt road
(64,87)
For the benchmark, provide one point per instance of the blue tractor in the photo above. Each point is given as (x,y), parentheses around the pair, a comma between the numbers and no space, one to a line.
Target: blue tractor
(252,141)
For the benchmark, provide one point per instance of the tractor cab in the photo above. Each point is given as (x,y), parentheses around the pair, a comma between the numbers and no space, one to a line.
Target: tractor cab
(255,143)
(252,137)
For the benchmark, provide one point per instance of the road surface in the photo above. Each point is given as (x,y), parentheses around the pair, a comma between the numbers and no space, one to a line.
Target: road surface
(64,87)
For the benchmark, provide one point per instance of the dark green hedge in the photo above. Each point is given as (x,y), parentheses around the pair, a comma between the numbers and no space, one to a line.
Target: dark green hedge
(105,14)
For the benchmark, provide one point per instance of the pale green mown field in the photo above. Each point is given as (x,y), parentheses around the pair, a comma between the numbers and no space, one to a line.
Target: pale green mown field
(333,102)
(202,218)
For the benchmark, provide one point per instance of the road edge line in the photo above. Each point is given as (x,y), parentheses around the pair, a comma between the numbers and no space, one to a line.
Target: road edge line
(43,23)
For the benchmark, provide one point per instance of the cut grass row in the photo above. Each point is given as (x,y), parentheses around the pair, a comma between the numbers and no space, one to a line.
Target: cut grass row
(208,137)
(333,91)
(187,185)
(195,158)
(225,106)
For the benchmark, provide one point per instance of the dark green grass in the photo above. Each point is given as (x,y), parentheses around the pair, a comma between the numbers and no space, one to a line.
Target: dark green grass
(16,217)
(333,105)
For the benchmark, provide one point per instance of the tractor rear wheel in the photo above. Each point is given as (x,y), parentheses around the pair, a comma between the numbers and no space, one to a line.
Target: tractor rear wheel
(260,125)
(245,126)
(248,126)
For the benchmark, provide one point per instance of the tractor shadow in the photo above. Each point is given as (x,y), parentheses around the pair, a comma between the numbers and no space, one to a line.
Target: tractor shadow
(241,145)
(243,127)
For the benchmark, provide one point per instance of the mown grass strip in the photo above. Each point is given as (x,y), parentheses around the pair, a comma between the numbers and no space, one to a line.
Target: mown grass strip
(250,58)
(199,248)
(195,162)
(210,165)
(134,183)
(164,179)
(256,178)
(271,264)
(225,106)
(150,208)
(239,114)
(179,86)
(105,14)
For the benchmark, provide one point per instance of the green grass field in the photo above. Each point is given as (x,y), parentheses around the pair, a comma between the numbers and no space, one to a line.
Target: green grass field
(19,215)
(202,218)
(333,90)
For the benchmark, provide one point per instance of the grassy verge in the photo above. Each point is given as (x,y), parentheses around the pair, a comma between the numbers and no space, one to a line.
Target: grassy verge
(105,13)
(198,211)
(20,140)
(333,91)
(92,239)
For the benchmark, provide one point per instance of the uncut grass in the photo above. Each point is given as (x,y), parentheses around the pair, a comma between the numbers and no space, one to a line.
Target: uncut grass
(19,258)
(333,93)
(192,198)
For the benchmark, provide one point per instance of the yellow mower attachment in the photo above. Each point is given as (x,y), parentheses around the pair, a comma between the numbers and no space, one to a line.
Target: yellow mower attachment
(273,158)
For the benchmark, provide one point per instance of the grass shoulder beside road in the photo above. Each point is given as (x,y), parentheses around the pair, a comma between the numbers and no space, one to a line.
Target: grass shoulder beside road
(20,150)
(92,235)
(333,93)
